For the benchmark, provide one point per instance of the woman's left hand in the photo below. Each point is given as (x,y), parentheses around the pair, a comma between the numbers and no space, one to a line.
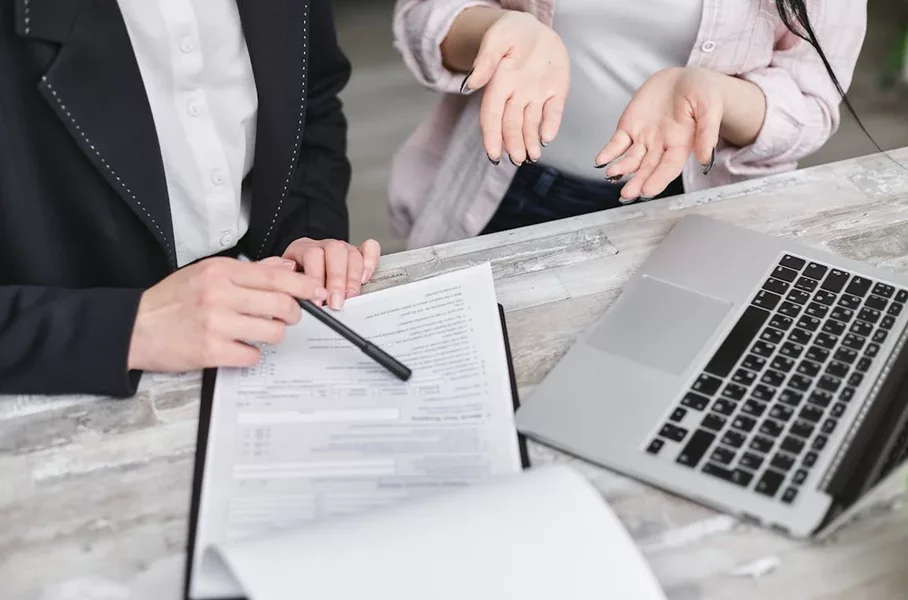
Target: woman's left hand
(343,268)
(676,112)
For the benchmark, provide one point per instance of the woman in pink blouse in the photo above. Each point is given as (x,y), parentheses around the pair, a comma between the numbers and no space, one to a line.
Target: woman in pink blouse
(665,96)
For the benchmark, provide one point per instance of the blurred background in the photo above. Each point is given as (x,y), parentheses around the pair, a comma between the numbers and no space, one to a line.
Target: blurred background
(384,104)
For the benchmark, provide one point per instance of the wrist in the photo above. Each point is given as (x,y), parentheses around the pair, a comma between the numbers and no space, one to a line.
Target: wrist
(461,45)
(743,110)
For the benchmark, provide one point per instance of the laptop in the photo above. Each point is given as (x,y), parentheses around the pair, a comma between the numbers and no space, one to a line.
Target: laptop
(755,375)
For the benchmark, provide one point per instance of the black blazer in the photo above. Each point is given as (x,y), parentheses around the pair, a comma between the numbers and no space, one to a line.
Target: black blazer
(85,221)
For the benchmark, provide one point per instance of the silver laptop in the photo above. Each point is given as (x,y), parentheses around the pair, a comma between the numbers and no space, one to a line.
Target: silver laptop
(748,373)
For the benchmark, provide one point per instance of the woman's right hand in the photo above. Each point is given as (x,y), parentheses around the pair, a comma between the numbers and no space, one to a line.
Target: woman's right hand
(524,69)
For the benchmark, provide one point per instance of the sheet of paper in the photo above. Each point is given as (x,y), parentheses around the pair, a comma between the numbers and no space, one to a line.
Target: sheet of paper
(540,535)
(318,431)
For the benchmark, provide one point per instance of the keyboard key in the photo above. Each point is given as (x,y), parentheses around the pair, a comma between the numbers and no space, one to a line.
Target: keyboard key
(769,483)
(694,401)
(734,439)
(791,397)
(761,348)
(722,456)
(811,413)
(763,392)
(869,314)
(771,428)
(707,384)
(739,338)
(815,309)
(783,363)
(824,297)
(792,350)
(792,444)
(753,408)
(789,495)
(754,362)
(895,309)
(809,368)
(766,300)
(863,365)
(773,378)
(901,296)
(858,286)
(820,398)
(678,415)
(835,281)
(860,328)
(819,442)
(872,350)
(781,412)
(801,429)
(736,476)
(849,302)
(734,391)
(800,383)
(842,314)
(790,309)
(828,383)
(837,369)
(773,336)
(672,432)
(855,342)
(799,336)
(724,407)
(884,290)
(810,459)
(744,377)
(815,353)
(714,422)
(826,340)
(744,423)
(785,274)
(855,379)
(880,336)
(776,285)
(835,328)
(782,461)
(846,394)
(696,447)
(815,271)
(876,302)
(829,426)
(799,477)
(799,297)
(887,322)
(846,355)
(655,446)
(792,262)
(780,322)
(806,284)
(761,444)
(751,461)
(838,409)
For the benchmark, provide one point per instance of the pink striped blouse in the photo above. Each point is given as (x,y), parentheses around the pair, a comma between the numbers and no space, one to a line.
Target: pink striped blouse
(443,187)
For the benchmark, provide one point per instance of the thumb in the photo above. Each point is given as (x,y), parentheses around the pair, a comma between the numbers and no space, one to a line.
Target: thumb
(492,49)
(707,137)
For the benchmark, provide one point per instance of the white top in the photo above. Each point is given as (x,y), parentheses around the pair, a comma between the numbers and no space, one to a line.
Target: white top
(614,46)
(193,58)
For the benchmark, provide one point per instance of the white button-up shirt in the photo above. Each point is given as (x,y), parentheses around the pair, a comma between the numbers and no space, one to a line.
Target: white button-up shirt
(198,78)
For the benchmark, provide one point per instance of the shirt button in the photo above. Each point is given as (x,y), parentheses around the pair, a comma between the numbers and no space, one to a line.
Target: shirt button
(193,109)
(227,240)
(217,177)
(186,45)
(708,46)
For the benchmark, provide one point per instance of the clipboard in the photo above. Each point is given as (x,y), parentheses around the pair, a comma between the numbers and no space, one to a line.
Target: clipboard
(209,379)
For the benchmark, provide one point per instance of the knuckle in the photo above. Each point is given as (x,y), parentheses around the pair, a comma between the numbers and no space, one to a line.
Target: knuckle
(335,246)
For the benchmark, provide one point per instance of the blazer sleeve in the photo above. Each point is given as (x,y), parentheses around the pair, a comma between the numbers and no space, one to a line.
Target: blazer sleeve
(322,177)
(64,341)
(802,103)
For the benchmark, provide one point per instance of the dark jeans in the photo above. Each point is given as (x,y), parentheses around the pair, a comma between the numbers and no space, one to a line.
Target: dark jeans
(541,194)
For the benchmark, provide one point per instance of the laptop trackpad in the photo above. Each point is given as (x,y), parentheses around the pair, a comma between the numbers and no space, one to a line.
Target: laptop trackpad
(659,324)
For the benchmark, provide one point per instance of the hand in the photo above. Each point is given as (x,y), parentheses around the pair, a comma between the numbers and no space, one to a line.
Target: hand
(676,112)
(208,314)
(524,68)
(340,267)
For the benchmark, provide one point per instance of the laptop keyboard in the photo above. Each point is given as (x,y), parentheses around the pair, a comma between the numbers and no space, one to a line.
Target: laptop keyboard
(765,405)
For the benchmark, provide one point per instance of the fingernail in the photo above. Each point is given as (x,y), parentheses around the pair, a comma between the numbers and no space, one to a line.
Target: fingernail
(516,164)
(645,198)
(290,264)
(494,161)
(367,275)
(614,178)
(463,86)
(352,294)
(319,295)
(529,161)
(603,165)
(336,301)
(709,166)
(544,143)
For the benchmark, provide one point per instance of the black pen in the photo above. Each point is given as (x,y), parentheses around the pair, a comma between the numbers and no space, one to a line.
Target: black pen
(368,348)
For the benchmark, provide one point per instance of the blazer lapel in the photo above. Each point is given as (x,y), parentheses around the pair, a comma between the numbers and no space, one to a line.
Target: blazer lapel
(94,85)
(276,34)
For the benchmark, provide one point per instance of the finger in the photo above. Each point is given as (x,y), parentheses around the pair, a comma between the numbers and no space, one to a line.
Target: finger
(336,258)
(632,189)
(618,145)
(629,163)
(491,50)
(252,330)
(491,114)
(371,251)
(671,166)
(512,129)
(265,305)
(229,353)
(532,119)
(312,259)
(707,137)
(256,276)
(551,119)
(354,272)
(272,261)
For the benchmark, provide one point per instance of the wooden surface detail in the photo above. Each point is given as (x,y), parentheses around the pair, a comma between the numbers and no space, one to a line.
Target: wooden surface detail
(94,493)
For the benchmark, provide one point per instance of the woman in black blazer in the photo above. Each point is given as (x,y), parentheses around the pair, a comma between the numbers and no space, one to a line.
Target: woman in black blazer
(91,289)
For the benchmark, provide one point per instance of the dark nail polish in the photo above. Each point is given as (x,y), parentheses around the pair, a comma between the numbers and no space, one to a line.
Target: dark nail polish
(614,178)
(709,166)
(645,198)
(494,161)
(463,86)
(544,144)
(516,164)
(529,161)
